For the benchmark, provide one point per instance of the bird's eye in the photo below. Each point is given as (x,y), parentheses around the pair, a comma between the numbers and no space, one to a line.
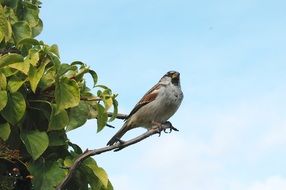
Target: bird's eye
(175,75)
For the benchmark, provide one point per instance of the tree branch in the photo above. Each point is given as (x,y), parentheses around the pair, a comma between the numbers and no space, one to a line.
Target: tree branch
(9,50)
(118,116)
(116,147)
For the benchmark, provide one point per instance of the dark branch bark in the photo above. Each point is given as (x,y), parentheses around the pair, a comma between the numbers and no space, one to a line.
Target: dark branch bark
(116,147)
(10,50)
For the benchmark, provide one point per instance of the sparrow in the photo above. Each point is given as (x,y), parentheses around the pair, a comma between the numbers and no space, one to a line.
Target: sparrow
(155,107)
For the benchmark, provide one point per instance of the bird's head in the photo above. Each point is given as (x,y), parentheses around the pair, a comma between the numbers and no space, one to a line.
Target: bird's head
(173,77)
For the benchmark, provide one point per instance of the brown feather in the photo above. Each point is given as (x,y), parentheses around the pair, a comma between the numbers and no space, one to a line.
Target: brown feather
(147,98)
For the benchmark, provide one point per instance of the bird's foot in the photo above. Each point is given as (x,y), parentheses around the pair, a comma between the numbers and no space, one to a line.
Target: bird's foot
(157,127)
(169,127)
(158,130)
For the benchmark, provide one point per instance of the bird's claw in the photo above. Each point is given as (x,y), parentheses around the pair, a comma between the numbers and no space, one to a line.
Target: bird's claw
(167,127)
(170,127)
(159,130)
(166,130)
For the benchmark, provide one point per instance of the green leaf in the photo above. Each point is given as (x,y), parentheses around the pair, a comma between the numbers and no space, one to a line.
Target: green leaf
(29,41)
(82,71)
(54,58)
(31,14)
(7,71)
(107,102)
(4,131)
(115,109)
(41,105)
(78,63)
(35,75)
(77,116)
(10,13)
(1,36)
(107,99)
(57,138)
(91,178)
(48,79)
(67,93)
(109,186)
(36,142)
(11,58)
(75,147)
(92,106)
(3,81)
(3,99)
(97,171)
(59,119)
(14,83)
(15,108)
(102,175)
(68,162)
(101,117)
(65,68)
(33,57)
(21,30)
(94,77)
(46,174)
(11,3)
(54,49)
(5,27)
(37,29)
(21,66)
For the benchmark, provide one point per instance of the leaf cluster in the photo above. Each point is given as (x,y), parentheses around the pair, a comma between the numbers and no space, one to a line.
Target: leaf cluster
(42,98)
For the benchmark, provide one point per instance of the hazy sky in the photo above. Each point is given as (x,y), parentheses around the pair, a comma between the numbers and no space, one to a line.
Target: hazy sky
(232,60)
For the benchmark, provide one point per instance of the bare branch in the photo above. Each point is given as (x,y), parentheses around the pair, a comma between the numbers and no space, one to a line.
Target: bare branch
(116,147)
(119,115)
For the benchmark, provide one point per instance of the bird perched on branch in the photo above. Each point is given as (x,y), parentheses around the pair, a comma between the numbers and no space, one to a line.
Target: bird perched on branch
(156,106)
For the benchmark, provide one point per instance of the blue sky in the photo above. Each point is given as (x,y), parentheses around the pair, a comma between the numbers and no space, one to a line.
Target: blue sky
(232,60)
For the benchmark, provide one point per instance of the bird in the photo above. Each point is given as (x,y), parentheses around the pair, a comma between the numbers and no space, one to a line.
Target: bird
(155,107)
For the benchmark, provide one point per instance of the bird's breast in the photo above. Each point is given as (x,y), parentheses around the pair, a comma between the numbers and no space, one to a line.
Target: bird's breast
(161,109)
(167,103)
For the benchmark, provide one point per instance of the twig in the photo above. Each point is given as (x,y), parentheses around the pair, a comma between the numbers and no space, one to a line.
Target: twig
(116,147)
(110,126)
(10,50)
(118,116)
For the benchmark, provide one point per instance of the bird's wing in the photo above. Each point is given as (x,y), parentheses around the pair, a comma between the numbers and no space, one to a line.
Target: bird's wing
(147,98)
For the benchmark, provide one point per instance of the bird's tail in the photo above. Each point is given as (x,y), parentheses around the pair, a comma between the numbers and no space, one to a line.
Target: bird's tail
(119,134)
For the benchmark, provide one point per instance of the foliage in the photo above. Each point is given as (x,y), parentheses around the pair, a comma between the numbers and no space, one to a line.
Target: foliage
(41,99)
